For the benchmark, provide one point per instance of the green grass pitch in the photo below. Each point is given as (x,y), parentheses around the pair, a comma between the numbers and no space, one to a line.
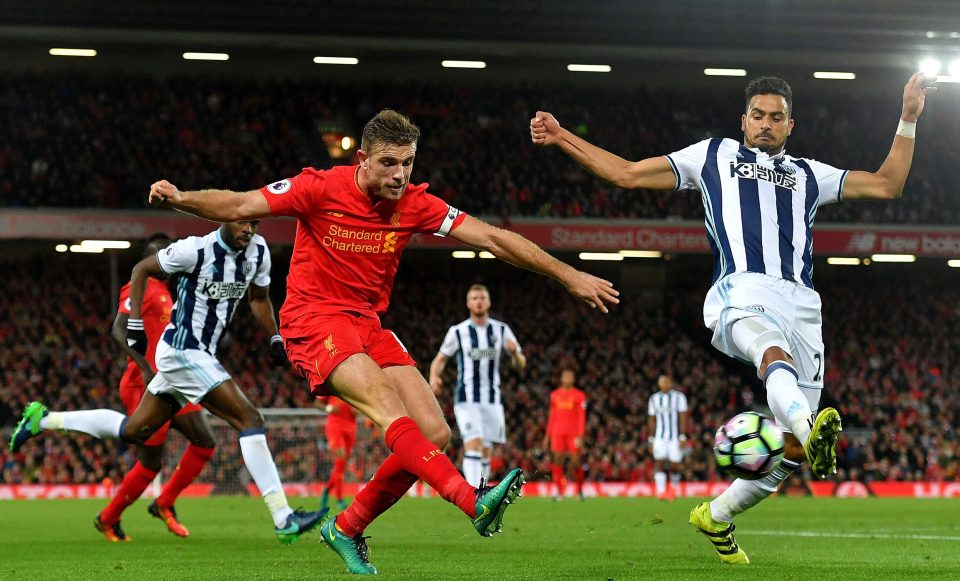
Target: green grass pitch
(603,538)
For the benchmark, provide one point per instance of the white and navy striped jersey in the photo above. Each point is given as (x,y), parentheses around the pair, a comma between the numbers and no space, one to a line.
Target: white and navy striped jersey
(214,277)
(667,408)
(478,350)
(759,209)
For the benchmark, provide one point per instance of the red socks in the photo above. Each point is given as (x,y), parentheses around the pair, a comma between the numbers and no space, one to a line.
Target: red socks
(335,484)
(579,473)
(133,485)
(191,463)
(388,486)
(558,475)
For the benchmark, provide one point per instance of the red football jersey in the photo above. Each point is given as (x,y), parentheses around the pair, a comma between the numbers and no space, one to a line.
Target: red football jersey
(348,244)
(568,412)
(155,310)
(338,410)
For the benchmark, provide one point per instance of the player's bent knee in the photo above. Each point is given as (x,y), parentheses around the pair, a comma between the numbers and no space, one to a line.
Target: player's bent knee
(151,457)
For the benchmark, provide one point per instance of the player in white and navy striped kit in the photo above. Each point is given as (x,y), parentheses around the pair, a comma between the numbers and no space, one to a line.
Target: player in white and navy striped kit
(760,204)
(479,343)
(666,432)
(216,270)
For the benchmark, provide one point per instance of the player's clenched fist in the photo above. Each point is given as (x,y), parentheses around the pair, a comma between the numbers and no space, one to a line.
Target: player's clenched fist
(163,193)
(544,129)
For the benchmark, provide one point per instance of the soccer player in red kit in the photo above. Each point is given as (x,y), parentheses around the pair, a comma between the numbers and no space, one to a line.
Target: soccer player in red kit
(353,223)
(155,313)
(566,425)
(341,432)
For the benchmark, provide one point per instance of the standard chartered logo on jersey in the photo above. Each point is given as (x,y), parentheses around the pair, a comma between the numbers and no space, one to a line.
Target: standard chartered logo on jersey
(362,241)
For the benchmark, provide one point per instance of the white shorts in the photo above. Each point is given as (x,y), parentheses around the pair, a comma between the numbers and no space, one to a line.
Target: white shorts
(186,374)
(664,449)
(481,420)
(791,307)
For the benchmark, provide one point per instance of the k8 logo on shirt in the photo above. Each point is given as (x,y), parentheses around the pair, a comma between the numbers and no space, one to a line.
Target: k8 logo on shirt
(216,289)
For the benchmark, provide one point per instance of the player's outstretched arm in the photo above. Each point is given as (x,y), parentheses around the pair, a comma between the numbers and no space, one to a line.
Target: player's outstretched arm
(517,250)
(654,173)
(262,308)
(119,334)
(216,205)
(136,336)
(887,182)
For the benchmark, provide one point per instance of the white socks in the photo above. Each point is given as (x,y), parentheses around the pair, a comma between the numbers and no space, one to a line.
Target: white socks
(785,399)
(98,423)
(486,469)
(743,494)
(675,481)
(472,468)
(660,479)
(259,461)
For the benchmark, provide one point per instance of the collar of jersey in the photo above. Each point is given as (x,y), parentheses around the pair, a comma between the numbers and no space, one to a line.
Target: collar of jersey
(224,245)
(780,156)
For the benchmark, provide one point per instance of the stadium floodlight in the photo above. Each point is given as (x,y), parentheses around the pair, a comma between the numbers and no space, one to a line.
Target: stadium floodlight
(615,256)
(930,66)
(641,253)
(835,75)
(464,254)
(73,52)
(62,247)
(725,72)
(346,143)
(463,64)
(112,244)
(487,255)
(894,258)
(843,261)
(953,263)
(948,78)
(336,60)
(206,56)
(589,68)
(79,248)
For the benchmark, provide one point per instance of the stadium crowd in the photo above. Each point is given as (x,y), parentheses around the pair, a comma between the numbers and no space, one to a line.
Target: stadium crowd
(87,141)
(889,371)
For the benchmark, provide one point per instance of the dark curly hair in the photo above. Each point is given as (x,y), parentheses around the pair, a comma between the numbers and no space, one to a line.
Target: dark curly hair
(770,86)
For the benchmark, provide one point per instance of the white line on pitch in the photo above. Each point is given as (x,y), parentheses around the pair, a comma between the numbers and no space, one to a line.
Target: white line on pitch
(851,535)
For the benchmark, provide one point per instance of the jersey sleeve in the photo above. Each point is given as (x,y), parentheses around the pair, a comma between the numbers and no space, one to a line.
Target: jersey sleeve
(509,336)
(296,196)
(262,279)
(450,344)
(650,410)
(582,415)
(682,404)
(438,217)
(829,181)
(551,415)
(123,308)
(687,165)
(181,256)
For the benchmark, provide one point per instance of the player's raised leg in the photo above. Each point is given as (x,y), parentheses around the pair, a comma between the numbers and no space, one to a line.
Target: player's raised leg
(227,402)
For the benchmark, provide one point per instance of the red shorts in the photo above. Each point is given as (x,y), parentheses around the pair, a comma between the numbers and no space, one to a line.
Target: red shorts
(131,392)
(316,346)
(564,443)
(341,436)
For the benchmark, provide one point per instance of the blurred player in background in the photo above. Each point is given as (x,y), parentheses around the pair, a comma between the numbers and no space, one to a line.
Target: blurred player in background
(353,223)
(760,204)
(566,425)
(341,431)
(666,432)
(155,312)
(479,344)
(217,271)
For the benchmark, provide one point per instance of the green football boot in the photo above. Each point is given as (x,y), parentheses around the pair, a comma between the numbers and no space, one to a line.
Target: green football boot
(353,550)
(718,533)
(821,445)
(492,501)
(298,523)
(29,425)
